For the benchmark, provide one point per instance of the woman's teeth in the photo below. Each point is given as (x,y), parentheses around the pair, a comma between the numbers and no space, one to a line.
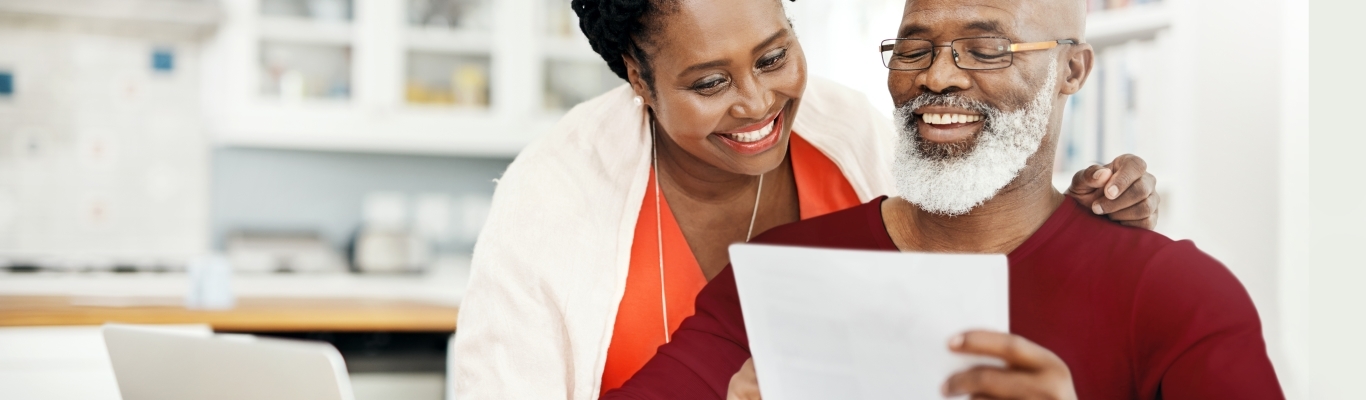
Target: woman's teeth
(752,136)
(941,119)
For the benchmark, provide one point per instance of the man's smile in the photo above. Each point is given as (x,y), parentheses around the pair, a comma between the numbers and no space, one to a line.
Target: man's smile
(948,124)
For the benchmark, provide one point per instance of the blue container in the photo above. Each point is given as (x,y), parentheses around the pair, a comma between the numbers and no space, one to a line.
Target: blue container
(163,60)
(6,84)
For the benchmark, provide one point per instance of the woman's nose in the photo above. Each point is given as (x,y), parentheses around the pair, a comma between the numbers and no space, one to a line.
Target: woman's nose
(754,102)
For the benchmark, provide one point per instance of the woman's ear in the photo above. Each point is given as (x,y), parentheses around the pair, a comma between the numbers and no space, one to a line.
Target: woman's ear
(633,77)
(1079,62)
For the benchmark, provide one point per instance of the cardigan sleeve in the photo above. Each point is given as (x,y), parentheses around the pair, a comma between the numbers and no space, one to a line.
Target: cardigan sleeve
(492,356)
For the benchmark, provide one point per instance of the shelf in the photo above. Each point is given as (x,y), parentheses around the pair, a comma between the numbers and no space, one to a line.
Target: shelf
(1118,26)
(448,41)
(197,16)
(417,129)
(306,31)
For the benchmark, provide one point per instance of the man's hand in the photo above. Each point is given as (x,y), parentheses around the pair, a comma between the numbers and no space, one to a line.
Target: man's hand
(744,385)
(1031,372)
(1122,190)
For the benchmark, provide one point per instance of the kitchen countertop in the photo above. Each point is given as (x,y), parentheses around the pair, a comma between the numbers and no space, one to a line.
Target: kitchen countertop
(250,314)
(264,302)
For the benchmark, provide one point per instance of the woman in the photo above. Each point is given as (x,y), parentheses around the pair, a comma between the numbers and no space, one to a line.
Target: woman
(603,232)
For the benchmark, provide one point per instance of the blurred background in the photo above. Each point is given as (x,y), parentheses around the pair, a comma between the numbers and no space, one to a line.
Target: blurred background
(321,168)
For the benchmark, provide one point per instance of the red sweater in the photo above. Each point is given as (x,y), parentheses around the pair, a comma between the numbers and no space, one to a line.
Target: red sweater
(1134,314)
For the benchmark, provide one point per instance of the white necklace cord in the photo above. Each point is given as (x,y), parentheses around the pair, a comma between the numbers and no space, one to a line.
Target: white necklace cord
(754,214)
(659,225)
(659,231)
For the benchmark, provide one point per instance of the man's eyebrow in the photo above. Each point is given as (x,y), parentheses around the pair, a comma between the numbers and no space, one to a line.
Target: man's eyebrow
(985,26)
(911,30)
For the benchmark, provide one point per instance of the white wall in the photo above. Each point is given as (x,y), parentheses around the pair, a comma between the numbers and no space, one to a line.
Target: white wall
(1295,189)
(1333,307)
(101,157)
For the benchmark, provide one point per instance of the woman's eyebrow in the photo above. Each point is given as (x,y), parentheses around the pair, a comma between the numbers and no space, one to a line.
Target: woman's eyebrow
(772,38)
(722,63)
(705,65)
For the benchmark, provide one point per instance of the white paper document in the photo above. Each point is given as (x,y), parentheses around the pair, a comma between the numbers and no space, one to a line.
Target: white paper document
(850,324)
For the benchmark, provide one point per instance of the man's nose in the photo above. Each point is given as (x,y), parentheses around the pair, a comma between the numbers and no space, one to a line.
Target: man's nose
(944,76)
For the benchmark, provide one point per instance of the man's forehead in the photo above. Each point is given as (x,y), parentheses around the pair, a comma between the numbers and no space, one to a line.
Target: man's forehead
(926,18)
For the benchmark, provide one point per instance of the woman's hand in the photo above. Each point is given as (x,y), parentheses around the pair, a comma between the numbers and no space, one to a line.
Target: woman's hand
(744,385)
(1031,371)
(1122,190)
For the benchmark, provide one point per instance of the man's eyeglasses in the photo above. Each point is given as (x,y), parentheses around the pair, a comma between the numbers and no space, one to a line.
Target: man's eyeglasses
(976,53)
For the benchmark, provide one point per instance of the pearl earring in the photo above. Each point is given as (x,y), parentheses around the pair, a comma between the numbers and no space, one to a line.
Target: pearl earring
(639,101)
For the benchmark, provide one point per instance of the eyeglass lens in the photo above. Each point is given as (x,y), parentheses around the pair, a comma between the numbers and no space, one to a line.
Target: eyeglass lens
(968,53)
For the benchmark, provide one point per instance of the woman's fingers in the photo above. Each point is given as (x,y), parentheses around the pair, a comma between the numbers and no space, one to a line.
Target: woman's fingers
(1127,170)
(1143,209)
(1088,182)
(1137,195)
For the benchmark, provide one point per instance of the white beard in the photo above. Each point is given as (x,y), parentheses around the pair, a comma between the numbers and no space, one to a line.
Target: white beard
(956,184)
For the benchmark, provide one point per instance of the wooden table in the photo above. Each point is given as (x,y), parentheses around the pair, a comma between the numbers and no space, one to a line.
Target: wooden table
(274,314)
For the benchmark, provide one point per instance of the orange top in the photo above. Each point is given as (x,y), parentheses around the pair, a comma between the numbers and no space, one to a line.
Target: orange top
(639,328)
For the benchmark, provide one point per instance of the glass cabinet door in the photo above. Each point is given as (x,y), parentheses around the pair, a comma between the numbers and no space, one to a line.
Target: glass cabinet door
(448,57)
(305,49)
(466,15)
(291,71)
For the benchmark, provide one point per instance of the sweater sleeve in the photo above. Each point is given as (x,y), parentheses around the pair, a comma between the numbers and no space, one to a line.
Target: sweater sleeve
(704,352)
(1196,331)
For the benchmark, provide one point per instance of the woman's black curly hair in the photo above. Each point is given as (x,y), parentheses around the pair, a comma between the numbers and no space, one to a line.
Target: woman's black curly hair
(613,28)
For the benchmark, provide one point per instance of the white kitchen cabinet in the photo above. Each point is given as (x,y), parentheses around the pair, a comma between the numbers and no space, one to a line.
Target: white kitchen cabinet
(449,77)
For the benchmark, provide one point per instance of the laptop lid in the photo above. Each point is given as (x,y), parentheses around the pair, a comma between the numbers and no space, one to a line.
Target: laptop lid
(153,363)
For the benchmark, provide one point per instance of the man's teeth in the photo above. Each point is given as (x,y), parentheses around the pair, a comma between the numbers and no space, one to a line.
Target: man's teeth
(940,119)
(752,136)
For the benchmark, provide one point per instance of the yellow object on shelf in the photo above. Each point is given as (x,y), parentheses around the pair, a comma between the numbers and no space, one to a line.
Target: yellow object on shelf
(470,84)
(416,93)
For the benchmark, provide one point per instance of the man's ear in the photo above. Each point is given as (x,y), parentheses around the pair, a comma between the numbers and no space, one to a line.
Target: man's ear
(633,76)
(1079,62)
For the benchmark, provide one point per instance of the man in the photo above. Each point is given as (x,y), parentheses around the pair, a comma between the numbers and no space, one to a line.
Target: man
(1098,311)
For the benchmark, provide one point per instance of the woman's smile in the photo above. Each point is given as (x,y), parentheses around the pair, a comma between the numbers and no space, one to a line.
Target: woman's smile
(756,138)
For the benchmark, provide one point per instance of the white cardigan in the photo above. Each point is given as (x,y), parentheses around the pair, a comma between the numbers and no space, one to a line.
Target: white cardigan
(550,266)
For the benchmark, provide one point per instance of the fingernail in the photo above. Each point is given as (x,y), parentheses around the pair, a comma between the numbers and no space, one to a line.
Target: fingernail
(1098,172)
(1095,208)
(945,389)
(956,341)
(1112,192)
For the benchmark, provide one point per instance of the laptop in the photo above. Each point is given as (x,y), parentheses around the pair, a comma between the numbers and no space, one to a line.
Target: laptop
(153,363)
